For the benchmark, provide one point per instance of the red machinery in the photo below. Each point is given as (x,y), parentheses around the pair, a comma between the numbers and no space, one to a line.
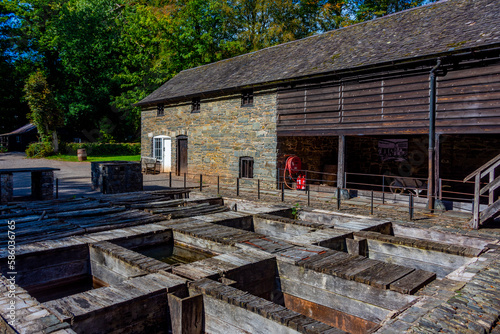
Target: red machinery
(293,165)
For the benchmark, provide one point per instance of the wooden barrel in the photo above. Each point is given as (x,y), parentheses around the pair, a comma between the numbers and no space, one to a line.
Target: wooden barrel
(82,154)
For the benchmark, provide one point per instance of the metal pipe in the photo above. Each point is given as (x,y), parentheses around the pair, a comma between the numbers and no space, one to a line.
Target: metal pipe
(201,182)
(170,179)
(432,134)
(237,186)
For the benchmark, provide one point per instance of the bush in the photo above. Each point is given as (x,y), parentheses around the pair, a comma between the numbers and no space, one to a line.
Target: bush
(39,150)
(101,149)
(3,149)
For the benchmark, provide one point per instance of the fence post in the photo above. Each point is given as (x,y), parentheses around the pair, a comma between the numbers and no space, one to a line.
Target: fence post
(410,206)
(383,189)
(308,196)
(237,186)
(371,207)
(57,188)
(283,191)
(338,198)
(218,185)
(201,182)
(184,180)
(258,188)
(277,178)
(170,179)
(440,189)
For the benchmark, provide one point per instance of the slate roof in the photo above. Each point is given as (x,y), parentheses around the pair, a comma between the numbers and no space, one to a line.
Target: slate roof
(23,129)
(442,27)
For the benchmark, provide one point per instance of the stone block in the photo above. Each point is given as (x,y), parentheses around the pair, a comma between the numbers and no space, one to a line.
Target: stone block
(6,188)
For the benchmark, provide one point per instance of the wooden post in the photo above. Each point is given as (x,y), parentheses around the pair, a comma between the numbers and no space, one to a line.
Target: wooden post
(237,186)
(186,314)
(201,182)
(341,163)
(184,180)
(57,188)
(170,179)
(218,184)
(475,207)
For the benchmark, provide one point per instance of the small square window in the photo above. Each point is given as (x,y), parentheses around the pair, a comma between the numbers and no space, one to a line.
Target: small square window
(247,98)
(246,167)
(160,109)
(195,105)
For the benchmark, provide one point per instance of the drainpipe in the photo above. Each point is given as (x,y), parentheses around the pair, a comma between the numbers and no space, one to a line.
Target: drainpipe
(432,134)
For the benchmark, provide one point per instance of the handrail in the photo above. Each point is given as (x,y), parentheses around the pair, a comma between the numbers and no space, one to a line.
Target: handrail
(492,184)
(495,160)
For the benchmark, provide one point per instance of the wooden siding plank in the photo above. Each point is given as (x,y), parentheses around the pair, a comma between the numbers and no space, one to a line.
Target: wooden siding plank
(471,72)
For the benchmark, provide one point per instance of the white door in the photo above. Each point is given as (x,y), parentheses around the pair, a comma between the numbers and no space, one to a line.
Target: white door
(162,146)
(167,155)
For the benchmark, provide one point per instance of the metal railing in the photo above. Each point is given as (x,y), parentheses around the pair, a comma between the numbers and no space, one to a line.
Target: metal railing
(321,186)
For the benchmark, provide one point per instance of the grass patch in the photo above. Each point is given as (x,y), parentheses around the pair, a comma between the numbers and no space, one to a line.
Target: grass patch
(74,158)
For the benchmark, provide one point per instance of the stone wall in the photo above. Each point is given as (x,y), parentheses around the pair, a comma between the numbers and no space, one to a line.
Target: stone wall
(221,133)
(6,188)
(111,177)
(42,185)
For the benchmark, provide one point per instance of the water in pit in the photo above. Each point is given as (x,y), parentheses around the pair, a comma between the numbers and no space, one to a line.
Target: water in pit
(65,287)
(173,253)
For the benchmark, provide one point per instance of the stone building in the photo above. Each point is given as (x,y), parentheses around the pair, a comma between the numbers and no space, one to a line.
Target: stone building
(359,100)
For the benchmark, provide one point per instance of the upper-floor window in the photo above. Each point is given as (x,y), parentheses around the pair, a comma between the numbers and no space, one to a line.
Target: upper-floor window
(160,109)
(247,98)
(246,167)
(195,104)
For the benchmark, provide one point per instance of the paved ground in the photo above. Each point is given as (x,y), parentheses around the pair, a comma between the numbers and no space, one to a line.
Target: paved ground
(74,177)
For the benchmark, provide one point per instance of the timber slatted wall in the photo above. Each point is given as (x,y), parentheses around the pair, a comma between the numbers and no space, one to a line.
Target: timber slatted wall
(468,102)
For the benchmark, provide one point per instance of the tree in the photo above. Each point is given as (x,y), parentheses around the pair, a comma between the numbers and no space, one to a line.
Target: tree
(12,109)
(45,111)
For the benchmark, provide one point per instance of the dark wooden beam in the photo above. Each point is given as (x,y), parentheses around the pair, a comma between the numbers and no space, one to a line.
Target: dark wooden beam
(341,163)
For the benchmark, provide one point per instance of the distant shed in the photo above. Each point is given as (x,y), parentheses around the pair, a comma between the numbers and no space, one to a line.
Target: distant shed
(19,139)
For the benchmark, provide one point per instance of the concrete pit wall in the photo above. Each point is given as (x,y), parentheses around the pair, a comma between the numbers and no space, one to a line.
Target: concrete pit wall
(43,273)
(435,257)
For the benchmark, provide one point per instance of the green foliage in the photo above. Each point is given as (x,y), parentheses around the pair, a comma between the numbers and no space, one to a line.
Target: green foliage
(295,210)
(102,149)
(39,150)
(74,158)
(99,57)
(45,112)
